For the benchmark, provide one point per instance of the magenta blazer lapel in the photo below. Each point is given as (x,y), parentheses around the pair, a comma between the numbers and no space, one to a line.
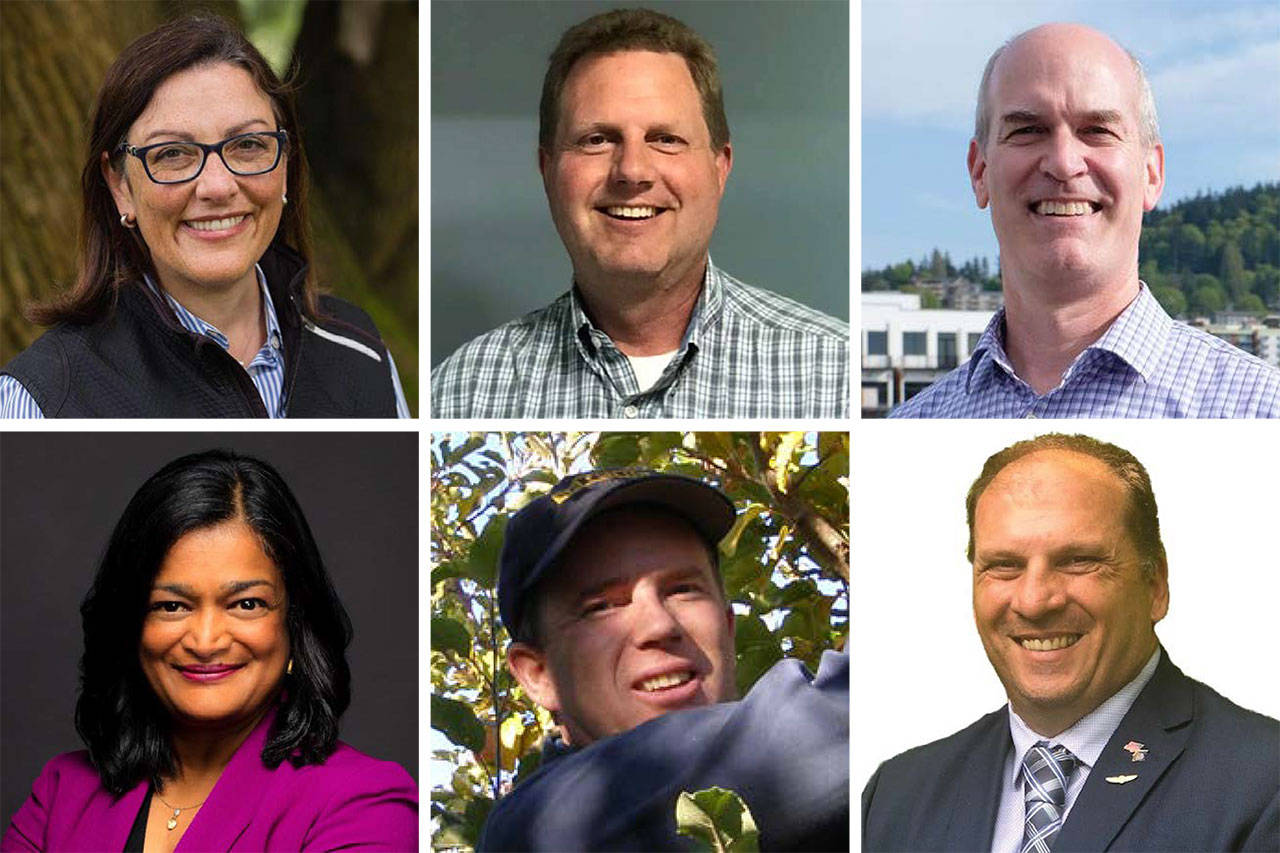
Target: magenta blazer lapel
(234,801)
(352,800)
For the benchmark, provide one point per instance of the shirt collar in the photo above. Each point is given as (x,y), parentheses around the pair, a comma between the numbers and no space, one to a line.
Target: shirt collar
(988,353)
(1089,735)
(705,311)
(554,747)
(270,347)
(1136,337)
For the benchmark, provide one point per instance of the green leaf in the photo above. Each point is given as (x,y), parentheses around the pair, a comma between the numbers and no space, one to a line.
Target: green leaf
(456,722)
(450,635)
(718,819)
(447,570)
(617,450)
(757,649)
(729,544)
(482,562)
(657,447)
(529,763)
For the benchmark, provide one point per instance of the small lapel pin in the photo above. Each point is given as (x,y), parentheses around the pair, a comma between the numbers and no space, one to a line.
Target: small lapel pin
(1137,750)
(1120,780)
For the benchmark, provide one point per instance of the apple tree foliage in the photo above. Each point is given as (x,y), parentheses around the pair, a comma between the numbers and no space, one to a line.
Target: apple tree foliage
(785,565)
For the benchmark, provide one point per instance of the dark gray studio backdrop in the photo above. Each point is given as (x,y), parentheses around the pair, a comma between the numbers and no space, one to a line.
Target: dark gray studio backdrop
(62,493)
(784,220)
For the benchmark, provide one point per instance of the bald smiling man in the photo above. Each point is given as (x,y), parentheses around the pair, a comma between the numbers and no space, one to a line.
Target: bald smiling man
(1067,155)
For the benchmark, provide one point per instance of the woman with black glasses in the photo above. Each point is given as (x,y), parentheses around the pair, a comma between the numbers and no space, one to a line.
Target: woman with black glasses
(194,296)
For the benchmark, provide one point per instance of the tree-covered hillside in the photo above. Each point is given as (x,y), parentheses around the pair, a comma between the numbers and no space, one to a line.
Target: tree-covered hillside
(1215,251)
(1201,255)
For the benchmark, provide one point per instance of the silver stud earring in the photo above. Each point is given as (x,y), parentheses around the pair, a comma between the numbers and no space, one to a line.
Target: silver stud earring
(284,199)
(126,221)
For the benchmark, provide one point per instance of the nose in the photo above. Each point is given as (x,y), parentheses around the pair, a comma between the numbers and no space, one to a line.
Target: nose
(633,163)
(1063,158)
(653,623)
(215,180)
(207,634)
(1039,591)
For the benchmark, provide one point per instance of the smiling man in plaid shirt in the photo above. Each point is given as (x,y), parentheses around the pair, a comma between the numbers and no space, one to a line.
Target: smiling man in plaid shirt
(634,153)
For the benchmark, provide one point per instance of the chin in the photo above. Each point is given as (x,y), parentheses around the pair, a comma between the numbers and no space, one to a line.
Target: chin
(623,266)
(219,277)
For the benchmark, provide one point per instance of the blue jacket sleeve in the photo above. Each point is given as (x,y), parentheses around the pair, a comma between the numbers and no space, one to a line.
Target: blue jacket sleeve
(784,749)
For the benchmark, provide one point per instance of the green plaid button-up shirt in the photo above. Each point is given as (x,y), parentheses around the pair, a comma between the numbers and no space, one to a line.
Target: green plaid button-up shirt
(747,353)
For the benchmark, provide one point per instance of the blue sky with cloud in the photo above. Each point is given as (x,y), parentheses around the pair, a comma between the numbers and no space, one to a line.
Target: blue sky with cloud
(1214,68)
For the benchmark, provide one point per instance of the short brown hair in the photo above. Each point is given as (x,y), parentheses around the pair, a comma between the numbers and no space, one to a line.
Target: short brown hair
(633,29)
(112,256)
(1144,520)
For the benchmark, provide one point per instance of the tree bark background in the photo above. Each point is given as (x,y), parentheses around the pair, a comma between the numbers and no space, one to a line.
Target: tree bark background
(359,106)
(359,112)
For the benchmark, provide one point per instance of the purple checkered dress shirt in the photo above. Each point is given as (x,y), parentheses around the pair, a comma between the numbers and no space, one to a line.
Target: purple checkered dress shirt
(1146,365)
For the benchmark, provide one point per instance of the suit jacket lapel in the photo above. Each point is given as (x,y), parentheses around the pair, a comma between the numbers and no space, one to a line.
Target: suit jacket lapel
(107,821)
(973,820)
(233,802)
(1158,721)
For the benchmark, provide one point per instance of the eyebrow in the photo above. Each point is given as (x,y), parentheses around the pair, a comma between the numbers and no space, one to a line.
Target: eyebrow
(665,575)
(1090,117)
(185,136)
(230,588)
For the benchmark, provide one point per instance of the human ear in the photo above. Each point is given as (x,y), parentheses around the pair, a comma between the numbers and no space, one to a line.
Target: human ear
(1159,593)
(544,166)
(1154,184)
(118,183)
(978,173)
(529,666)
(724,165)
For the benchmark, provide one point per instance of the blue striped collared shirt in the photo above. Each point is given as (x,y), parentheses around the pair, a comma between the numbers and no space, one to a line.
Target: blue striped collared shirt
(266,369)
(746,353)
(1146,365)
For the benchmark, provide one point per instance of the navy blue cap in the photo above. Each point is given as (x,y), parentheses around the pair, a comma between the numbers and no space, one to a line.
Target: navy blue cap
(539,533)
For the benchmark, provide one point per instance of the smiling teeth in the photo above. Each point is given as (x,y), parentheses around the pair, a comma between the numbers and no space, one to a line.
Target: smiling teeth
(1050,644)
(216,224)
(632,212)
(1064,208)
(660,682)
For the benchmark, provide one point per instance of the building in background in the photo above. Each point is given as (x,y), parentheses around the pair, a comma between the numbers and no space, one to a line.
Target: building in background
(905,348)
(1260,337)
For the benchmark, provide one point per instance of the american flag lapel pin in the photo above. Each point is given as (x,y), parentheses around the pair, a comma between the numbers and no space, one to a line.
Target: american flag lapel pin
(1137,750)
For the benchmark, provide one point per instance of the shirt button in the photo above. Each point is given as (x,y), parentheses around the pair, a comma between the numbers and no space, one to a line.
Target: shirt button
(631,411)
(1031,414)
(275,340)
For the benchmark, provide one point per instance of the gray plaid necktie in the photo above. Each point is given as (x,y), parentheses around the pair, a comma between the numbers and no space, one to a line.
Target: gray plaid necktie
(1045,774)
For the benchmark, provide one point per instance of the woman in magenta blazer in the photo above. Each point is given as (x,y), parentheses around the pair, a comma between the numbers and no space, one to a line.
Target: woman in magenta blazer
(213,677)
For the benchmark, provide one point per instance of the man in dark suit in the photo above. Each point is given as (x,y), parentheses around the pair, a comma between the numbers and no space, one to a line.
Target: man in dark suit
(1105,744)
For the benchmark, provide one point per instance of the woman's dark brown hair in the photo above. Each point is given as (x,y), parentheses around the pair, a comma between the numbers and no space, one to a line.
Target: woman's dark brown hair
(112,256)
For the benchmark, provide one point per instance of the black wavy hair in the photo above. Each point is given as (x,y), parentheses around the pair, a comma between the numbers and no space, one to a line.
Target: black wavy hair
(117,713)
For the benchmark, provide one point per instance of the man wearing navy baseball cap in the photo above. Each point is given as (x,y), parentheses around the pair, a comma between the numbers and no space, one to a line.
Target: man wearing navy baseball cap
(610,587)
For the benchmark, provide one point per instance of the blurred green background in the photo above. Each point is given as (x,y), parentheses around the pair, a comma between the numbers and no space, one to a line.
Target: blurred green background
(358,98)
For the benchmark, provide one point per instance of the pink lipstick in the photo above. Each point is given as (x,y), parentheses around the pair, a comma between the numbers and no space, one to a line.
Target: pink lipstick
(206,673)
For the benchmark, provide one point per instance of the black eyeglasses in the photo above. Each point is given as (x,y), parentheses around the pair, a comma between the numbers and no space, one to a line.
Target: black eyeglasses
(178,162)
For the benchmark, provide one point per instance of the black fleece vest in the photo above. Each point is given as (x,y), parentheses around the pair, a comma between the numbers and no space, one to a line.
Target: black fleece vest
(140,363)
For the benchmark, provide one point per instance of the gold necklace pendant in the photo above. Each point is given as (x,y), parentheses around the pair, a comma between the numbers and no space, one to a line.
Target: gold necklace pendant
(173,821)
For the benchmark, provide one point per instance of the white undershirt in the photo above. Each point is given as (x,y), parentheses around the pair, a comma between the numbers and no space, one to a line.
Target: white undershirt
(648,368)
